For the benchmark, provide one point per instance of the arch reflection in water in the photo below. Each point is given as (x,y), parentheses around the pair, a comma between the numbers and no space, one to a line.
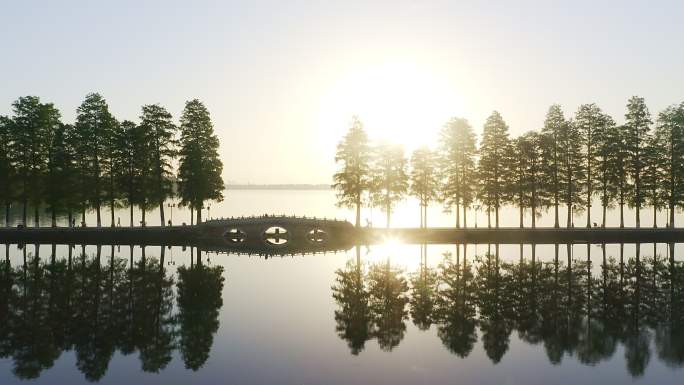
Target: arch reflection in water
(570,308)
(99,304)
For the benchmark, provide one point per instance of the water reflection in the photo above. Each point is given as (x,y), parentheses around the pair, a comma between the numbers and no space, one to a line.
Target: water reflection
(568,307)
(96,305)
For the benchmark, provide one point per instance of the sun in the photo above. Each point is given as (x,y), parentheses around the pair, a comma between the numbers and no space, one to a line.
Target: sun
(398,101)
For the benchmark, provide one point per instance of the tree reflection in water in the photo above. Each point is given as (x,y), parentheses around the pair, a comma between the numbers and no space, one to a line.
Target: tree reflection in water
(563,305)
(96,305)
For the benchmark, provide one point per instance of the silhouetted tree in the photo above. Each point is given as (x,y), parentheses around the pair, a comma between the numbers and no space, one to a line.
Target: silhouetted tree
(354,177)
(457,153)
(554,127)
(527,175)
(389,181)
(637,125)
(590,121)
(30,134)
(160,132)
(94,124)
(60,173)
(424,180)
(6,167)
(199,173)
(493,168)
(609,155)
(669,141)
(572,171)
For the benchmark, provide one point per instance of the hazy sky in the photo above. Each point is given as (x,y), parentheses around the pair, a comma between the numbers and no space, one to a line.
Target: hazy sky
(283,78)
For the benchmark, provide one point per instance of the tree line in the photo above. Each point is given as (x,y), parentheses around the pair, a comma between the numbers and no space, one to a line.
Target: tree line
(97,305)
(101,163)
(570,163)
(633,305)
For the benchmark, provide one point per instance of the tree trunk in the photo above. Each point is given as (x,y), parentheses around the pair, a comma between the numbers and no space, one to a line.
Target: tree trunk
(458,216)
(534,216)
(358,214)
(588,210)
(622,214)
(192,216)
(556,224)
(655,221)
(142,223)
(111,210)
(54,217)
(24,212)
(7,214)
(522,212)
(83,212)
(496,213)
(603,217)
(489,217)
(672,217)
(199,214)
(465,222)
(70,218)
(99,215)
(131,213)
(36,216)
(569,222)
(161,213)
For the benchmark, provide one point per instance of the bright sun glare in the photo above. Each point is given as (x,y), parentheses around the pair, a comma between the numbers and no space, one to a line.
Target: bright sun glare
(398,101)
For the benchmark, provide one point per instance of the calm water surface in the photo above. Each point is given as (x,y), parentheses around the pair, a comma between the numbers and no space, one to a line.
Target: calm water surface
(392,313)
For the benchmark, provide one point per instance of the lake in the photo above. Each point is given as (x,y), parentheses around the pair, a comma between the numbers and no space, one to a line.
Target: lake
(388,314)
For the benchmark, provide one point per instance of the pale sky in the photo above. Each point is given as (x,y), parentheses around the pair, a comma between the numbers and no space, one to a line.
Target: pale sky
(282,79)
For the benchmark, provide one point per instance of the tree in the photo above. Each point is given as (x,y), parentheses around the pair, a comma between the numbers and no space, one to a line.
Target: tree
(571,169)
(669,140)
(493,168)
(609,150)
(424,180)
(589,120)
(554,125)
(111,171)
(132,161)
(457,166)
(94,125)
(160,132)
(527,176)
(30,134)
(199,173)
(654,176)
(60,174)
(6,167)
(389,177)
(637,123)
(354,177)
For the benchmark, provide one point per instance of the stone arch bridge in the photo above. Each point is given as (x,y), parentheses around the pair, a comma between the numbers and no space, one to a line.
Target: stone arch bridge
(282,233)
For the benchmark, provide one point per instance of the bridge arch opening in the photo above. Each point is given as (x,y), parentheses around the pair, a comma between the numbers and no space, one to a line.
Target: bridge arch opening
(317,236)
(276,236)
(235,235)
